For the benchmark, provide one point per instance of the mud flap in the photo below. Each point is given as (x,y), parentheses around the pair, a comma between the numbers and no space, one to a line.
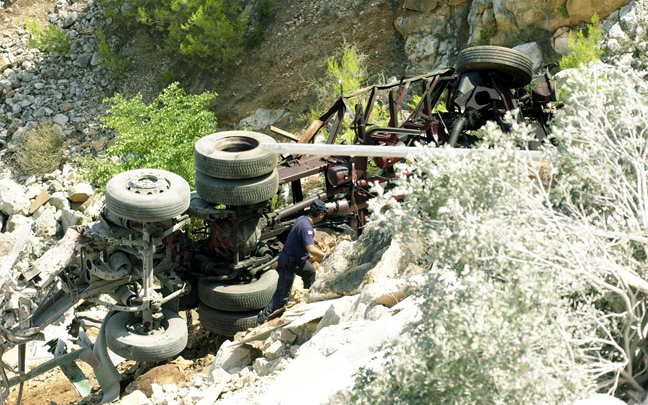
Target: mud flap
(73,372)
(107,375)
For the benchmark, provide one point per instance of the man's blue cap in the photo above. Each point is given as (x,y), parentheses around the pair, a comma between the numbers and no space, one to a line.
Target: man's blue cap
(318,207)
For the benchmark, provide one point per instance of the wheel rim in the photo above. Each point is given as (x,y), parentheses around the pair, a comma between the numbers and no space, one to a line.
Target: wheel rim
(147,183)
(236,144)
(137,327)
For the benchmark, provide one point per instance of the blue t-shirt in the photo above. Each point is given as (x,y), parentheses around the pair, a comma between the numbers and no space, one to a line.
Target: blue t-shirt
(300,236)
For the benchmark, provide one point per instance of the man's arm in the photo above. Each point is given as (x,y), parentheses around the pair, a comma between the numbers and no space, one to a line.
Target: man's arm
(317,253)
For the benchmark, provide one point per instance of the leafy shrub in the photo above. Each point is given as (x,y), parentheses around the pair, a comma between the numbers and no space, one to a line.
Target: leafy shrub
(42,150)
(536,290)
(207,33)
(108,58)
(160,135)
(347,71)
(48,39)
(563,10)
(264,14)
(584,49)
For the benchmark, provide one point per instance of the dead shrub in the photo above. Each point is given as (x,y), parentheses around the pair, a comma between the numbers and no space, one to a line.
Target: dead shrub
(42,151)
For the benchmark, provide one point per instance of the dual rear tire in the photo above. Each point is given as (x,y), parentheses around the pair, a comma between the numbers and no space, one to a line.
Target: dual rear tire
(233,169)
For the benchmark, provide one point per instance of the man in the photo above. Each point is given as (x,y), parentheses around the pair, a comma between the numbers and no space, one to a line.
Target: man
(299,247)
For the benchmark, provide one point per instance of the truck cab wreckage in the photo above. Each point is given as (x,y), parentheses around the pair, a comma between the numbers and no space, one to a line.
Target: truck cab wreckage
(144,262)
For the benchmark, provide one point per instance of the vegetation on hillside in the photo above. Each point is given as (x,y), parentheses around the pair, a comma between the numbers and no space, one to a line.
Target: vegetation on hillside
(207,33)
(49,38)
(536,290)
(160,135)
(584,48)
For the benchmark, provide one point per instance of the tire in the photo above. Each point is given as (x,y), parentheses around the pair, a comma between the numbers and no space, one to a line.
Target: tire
(239,297)
(237,192)
(147,195)
(124,341)
(515,67)
(226,323)
(234,155)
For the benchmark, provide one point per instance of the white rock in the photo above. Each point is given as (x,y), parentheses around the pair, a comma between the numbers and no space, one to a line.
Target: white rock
(16,221)
(45,221)
(12,198)
(535,53)
(275,350)
(33,190)
(231,355)
(80,192)
(136,397)
(560,41)
(261,119)
(60,201)
(7,241)
(61,119)
(283,335)
(70,218)
(264,367)
(336,311)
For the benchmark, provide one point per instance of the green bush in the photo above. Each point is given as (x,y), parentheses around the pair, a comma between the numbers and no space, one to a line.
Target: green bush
(42,151)
(263,14)
(108,58)
(48,39)
(583,49)
(536,290)
(207,33)
(160,135)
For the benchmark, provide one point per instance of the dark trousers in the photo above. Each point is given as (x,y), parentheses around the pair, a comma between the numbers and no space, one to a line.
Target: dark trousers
(287,267)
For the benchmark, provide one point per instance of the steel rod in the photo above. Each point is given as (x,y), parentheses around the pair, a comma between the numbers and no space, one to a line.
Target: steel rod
(387,151)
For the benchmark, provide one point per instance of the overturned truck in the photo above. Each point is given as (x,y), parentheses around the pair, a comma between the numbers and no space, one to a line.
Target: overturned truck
(160,248)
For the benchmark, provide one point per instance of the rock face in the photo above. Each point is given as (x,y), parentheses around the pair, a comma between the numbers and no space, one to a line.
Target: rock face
(435,30)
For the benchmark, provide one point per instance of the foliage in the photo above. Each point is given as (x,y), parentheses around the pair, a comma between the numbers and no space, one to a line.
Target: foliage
(487,34)
(584,49)
(48,39)
(208,33)
(108,58)
(535,292)
(563,10)
(264,13)
(42,150)
(160,135)
(347,71)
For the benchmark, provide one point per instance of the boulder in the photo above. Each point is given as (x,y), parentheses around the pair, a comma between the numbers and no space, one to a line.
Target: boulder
(532,49)
(261,119)
(336,311)
(264,367)
(12,198)
(232,355)
(45,223)
(583,10)
(80,192)
(16,221)
(71,218)
(60,201)
(7,240)
(161,375)
(135,398)
(276,350)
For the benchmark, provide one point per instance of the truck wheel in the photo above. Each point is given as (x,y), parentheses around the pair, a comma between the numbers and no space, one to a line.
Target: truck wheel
(226,323)
(515,67)
(234,155)
(237,192)
(123,338)
(147,195)
(239,297)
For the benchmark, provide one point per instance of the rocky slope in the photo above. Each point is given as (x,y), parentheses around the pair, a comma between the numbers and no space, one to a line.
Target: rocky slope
(324,341)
